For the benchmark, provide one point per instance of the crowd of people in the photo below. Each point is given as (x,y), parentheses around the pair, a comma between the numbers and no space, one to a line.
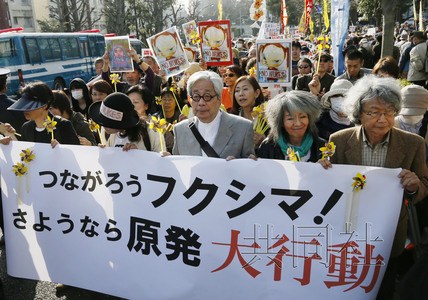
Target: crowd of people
(373,118)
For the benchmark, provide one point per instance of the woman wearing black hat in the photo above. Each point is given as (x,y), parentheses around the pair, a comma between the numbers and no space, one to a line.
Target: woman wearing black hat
(119,118)
(35,102)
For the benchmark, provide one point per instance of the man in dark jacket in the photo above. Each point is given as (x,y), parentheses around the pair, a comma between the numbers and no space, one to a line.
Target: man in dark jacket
(16,119)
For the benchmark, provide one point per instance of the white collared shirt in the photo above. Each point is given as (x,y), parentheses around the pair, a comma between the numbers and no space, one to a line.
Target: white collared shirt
(209,130)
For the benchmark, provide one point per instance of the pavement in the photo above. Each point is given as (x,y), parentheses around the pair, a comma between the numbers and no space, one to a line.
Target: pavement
(25,289)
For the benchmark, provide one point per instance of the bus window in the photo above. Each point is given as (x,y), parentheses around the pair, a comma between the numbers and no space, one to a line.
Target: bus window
(7,52)
(50,48)
(84,47)
(137,45)
(70,48)
(32,52)
(97,46)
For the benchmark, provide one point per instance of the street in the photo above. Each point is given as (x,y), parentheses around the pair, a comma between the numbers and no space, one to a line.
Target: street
(24,289)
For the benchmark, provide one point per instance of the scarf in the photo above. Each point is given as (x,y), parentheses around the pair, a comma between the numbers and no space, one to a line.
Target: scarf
(303,149)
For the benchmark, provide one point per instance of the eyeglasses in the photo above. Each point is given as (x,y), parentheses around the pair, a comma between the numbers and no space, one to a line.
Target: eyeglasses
(304,67)
(229,75)
(378,114)
(98,94)
(207,97)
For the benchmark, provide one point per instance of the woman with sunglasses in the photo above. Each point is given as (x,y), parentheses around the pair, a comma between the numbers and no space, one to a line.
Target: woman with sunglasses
(230,76)
(305,67)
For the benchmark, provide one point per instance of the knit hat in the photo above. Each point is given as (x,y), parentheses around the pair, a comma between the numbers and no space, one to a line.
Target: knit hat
(415,100)
(116,111)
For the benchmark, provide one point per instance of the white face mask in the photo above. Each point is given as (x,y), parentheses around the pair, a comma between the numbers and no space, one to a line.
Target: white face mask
(239,45)
(77,94)
(337,104)
(412,120)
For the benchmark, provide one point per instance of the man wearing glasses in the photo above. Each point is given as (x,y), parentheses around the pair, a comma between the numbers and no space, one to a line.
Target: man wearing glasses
(372,103)
(227,135)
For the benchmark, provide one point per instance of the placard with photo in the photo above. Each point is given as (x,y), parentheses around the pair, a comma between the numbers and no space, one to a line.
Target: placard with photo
(118,49)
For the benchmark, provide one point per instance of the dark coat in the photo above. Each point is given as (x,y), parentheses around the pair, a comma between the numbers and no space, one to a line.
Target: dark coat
(405,150)
(14,118)
(270,149)
(64,132)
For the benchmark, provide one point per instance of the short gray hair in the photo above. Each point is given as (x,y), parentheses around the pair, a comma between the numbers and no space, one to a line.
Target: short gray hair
(292,102)
(369,88)
(207,75)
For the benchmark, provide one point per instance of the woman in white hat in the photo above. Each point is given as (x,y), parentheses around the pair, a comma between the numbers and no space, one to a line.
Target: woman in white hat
(333,118)
(413,116)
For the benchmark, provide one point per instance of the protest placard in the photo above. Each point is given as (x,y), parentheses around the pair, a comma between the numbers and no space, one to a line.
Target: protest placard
(169,51)
(118,49)
(216,42)
(274,62)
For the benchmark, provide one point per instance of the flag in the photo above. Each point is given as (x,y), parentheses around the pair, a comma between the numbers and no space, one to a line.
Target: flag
(308,9)
(284,16)
(302,27)
(325,16)
(339,21)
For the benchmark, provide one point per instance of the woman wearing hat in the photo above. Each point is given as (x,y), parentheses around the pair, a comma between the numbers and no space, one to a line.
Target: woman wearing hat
(413,116)
(35,103)
(119,118)
(333,118)
(291,117)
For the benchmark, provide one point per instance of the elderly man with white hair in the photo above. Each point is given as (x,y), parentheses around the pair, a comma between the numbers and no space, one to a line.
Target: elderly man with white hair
(372,103)
(211,132)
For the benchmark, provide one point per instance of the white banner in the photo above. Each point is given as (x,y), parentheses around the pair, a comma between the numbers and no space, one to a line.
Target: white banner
(140,226)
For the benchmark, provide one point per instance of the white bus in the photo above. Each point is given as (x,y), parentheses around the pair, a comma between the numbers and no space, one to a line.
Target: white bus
(54,58)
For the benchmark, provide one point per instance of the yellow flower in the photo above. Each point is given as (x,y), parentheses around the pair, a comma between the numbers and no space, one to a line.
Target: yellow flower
(328,150)
(159,125)
(359,182)
(93,126)
(323,43)
(258,4)
(258,14)
(27,155)
(158,100)
(115,78)
(194,37)
(185,110)
(252,71)
(291,155)
(50,124)
(19,169)
(259,110)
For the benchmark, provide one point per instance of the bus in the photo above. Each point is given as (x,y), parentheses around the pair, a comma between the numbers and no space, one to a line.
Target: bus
(54,58)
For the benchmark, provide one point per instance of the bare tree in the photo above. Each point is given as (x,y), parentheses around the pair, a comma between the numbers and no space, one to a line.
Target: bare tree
(69,16)
(115,16)
(193,9)
(150,16)
(176,17)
